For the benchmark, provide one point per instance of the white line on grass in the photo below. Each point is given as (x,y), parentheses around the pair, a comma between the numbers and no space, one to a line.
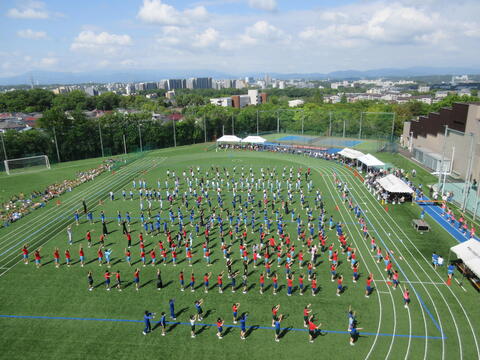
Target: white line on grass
(126,176)
(378,295)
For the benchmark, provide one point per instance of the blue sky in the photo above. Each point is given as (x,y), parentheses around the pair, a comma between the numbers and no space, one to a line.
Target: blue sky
(236,36)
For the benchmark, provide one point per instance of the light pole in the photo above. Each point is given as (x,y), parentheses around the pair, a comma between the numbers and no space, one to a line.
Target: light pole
(101,140)
(140,137)
(257,122)
(278,121)
(205,129)
(3,144)
(56,143)
(303,118)
(360,130)
(233,126)
(124,144)
(330,129)
(174,134)
(344,127)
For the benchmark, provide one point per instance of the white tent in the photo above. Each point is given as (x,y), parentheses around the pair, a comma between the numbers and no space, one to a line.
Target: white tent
(369,160)
(351,153)
(393,184)
(469,252)
(229,139)
(254,140)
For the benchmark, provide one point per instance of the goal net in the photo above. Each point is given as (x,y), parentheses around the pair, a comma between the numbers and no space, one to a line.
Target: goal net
(27,164)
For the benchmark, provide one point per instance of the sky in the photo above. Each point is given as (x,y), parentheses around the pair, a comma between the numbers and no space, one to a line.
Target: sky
(237,36)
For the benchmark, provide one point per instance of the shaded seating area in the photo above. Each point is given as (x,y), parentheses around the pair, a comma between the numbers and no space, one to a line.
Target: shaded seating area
(468,260)
(392,189)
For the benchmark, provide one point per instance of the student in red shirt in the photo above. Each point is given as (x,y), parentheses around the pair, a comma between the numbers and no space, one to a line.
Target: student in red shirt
(220,282)
(38,258)
(107,280)
(206,279)
(306,314)
(68,257)
(100,256)
(314,285)
(192,282)
(81,254)
(274,313)
(119,280)
(262,282)
(312,329)
(339,285)
(25,254)
(56,257)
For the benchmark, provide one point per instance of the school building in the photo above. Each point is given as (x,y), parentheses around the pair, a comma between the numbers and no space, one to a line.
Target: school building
(425,139)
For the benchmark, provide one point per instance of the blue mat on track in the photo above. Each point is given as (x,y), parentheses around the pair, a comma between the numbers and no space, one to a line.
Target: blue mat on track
(436,213)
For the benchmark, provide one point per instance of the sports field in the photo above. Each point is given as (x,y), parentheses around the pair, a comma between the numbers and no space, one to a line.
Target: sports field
(49,313)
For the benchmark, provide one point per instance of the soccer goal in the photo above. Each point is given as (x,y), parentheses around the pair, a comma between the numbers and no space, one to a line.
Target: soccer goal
(27,164)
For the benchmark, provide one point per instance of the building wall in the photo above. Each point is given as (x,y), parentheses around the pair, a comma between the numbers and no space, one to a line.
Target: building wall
(429,133)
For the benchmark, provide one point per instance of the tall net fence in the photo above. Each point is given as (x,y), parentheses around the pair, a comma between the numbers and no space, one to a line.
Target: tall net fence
(455,158)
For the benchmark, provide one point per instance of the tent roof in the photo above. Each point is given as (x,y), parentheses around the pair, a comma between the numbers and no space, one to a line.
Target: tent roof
(351,153)
(393,184)
(229,138)
(469,252)
(370,160)
(254,140)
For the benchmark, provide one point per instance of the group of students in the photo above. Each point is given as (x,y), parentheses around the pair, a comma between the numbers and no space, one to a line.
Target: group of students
(314,330)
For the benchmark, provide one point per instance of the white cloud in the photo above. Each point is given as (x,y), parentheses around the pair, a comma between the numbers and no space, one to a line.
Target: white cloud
(48,61)
(207,38)
(158,12)
(267,5)
(102,42)
(31,34)
(29,10)
(391,23)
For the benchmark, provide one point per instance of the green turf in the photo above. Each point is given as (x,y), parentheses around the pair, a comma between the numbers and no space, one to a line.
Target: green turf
(63,292)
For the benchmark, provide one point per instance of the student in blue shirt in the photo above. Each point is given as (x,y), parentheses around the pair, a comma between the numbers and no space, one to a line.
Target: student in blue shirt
(163,324)
(243,326)
(172,309)
(146,318)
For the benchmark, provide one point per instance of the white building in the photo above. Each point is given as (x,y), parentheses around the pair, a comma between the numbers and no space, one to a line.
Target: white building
(423,88)
(295,103)
(224,101)
(254,97)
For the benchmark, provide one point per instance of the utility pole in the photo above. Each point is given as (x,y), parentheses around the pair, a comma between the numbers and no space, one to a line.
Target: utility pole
(101,140)
(233,126)
(257,123)
(124,144)
(344,127)
(56,143)
(140,137)
(3,144)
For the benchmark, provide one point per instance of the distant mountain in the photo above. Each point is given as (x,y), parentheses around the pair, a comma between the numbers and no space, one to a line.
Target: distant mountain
(50,77)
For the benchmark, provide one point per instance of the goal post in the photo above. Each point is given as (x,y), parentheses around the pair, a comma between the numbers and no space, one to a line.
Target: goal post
(26,164)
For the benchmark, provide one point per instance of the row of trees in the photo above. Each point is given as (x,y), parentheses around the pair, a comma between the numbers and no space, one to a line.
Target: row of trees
(79,136)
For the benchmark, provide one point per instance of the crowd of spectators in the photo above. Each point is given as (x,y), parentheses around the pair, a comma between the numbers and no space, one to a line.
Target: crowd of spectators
(21,204)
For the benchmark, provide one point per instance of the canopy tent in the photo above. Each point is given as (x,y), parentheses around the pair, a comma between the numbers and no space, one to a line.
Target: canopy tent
(393,184)
(370,161)
(254,140)
(469,252)
(229,139)
(351,153)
